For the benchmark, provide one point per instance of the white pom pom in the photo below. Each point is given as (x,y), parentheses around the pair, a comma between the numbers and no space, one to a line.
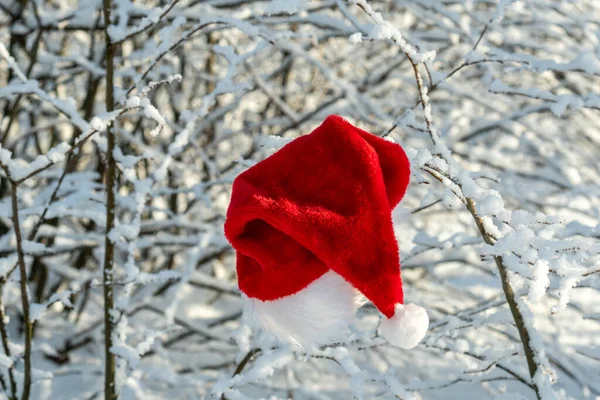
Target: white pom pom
(407,327)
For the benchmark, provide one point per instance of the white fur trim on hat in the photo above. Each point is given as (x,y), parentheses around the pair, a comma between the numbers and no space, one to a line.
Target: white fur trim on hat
(407,327)
(316,315)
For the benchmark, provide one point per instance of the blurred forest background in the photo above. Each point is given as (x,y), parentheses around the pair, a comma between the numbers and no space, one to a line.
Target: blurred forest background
(123,124)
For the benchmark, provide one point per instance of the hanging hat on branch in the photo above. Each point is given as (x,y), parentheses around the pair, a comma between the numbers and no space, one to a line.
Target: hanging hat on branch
(313,232)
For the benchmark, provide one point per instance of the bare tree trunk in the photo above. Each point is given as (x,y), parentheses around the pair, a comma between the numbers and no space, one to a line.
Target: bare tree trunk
(110,179)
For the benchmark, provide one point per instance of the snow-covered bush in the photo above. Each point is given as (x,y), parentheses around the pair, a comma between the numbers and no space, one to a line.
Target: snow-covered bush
(119,143)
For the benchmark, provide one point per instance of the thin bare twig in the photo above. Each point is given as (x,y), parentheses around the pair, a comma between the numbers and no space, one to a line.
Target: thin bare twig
(24,293)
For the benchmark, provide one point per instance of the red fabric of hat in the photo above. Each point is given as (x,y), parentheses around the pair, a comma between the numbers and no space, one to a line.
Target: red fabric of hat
(312,228)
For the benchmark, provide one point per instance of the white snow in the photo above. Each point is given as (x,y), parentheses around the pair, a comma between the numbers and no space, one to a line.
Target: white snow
(284,6)
(356,38)
(490,204)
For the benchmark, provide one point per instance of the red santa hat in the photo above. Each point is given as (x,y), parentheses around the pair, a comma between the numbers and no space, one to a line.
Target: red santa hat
(313,230)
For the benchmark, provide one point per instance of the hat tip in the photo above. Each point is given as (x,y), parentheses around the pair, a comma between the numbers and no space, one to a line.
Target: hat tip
(336,119)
